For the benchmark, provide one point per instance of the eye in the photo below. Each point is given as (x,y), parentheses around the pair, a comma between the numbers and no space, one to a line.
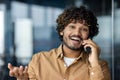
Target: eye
(72,27)
(85,29)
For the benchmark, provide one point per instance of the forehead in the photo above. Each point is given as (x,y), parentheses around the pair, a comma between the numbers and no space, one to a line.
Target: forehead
(77,24)
(84,22)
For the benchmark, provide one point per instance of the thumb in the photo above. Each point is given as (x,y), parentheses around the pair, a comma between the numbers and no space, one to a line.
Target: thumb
(10,66)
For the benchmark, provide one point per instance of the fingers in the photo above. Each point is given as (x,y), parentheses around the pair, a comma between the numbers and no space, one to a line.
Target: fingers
(10,66)
(21,69)
(88,45)
(89,41)
(25,72)
(11,73)
(18,72)
(26,69)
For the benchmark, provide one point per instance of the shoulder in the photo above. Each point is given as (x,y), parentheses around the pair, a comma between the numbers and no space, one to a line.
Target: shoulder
(43,54)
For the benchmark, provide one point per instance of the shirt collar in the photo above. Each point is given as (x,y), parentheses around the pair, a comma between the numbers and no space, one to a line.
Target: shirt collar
(80,57)
(60,53)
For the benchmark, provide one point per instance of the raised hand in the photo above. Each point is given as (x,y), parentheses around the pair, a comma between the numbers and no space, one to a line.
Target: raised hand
(19,72)
(95,51)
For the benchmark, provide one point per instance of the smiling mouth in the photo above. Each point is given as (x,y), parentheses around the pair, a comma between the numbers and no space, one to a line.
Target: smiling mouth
(76,39)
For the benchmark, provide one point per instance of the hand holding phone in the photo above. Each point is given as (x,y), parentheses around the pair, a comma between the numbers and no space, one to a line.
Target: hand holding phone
(93,51)
(87,49)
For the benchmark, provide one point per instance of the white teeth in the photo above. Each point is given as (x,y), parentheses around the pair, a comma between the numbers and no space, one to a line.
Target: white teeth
(76,38)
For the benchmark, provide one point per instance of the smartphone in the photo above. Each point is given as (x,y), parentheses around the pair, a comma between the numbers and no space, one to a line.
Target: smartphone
(87,50)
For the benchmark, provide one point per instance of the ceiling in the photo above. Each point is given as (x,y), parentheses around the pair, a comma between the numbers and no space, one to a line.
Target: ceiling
(98,6)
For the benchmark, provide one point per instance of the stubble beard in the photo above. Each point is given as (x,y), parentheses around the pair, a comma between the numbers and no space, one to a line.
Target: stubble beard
(72,47)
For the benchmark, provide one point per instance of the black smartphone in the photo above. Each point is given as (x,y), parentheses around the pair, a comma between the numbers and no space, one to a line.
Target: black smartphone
(87,50)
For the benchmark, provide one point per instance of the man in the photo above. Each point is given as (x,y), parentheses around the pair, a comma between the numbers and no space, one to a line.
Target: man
(76,28)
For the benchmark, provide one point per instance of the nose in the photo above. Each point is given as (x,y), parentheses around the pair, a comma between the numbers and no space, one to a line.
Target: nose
(77,32)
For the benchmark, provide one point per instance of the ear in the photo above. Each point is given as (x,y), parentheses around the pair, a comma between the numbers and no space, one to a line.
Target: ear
(61,33)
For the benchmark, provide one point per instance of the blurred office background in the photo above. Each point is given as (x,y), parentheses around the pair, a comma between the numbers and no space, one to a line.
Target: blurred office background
(29,26)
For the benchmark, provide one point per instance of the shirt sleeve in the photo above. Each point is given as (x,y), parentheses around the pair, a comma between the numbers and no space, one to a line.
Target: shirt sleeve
(100,72)
(31,68)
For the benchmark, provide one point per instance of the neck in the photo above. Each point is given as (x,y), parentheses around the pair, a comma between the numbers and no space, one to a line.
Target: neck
(71,53)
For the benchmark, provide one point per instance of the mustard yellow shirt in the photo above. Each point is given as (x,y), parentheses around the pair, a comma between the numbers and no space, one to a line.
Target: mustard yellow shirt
(50,66)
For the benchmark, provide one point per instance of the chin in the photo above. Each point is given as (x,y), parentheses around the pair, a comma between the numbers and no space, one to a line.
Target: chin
(74,48)
(77,47)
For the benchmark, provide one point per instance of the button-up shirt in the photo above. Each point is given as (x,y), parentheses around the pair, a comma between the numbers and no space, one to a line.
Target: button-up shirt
(51,66)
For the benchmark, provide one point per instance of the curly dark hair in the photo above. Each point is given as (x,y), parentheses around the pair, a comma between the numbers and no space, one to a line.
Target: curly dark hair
(77,14)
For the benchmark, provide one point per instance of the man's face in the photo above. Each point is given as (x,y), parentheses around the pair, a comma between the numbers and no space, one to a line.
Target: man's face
(74,34)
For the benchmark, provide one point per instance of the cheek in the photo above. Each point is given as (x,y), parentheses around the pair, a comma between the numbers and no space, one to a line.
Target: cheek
(85,36)
(66,33)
